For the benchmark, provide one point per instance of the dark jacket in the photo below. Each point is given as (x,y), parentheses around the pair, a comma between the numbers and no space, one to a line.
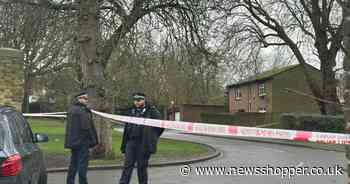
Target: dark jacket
(80,129)
(149,136)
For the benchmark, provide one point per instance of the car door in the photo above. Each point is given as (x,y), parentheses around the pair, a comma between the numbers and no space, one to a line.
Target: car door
(37,155)
(6,149)
(22,143)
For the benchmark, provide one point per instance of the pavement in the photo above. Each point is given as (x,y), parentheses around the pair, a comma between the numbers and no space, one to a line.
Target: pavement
(235,153)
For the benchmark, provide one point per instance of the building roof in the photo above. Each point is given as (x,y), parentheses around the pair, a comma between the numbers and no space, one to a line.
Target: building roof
(264,76)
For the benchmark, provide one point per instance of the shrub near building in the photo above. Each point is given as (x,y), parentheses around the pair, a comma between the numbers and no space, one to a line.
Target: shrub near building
(313,122)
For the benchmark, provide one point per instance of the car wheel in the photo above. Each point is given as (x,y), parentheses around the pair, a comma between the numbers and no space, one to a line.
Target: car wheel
(43,178)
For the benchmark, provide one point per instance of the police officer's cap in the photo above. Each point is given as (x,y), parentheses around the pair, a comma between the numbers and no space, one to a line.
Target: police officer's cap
(82,93)
(138,96)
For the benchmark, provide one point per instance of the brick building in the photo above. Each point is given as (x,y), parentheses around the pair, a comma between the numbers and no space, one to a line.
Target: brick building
(11,77)
(266,92)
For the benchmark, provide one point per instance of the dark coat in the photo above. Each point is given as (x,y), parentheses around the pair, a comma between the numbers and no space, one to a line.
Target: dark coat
(80,129)
(149,136)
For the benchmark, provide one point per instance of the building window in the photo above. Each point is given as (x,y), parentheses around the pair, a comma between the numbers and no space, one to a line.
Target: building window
(262,109)
(262,89)
(238,94)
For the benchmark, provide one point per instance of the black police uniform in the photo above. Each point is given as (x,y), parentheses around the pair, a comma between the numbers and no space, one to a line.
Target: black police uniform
(139,142)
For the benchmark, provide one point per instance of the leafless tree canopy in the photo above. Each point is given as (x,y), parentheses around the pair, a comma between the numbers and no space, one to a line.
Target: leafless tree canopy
(167,47)
(310,29)
(44,37)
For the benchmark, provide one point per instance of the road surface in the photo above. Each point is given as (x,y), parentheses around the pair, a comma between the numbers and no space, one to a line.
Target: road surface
(236,154)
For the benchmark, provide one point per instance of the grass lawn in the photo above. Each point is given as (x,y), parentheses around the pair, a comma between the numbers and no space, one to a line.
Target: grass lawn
(54,149)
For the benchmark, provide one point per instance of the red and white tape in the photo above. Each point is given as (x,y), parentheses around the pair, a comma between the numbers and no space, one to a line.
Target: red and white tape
(48,115)
(228,130)
(44,115)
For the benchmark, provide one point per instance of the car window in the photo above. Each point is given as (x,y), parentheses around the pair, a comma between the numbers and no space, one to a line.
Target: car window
(15,129)
(27,131)
(24,129)
(2,131)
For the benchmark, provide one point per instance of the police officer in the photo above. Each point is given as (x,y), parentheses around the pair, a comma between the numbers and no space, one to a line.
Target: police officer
(139,141)
(80,136)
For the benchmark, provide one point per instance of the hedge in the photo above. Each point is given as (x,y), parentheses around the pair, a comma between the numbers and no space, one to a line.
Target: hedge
(313,122)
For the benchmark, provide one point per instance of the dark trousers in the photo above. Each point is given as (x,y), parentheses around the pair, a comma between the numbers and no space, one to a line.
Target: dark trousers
(79,163)
(134,154)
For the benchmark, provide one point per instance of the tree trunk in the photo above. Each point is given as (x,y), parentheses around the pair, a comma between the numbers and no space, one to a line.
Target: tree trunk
(346,66)
(92,70)
(28,81)
(329,86)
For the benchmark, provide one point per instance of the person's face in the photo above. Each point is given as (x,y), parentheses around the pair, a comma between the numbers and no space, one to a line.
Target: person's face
(139,102)
(83,99)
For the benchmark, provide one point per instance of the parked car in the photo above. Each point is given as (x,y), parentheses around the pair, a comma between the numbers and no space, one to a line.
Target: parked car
(21,160)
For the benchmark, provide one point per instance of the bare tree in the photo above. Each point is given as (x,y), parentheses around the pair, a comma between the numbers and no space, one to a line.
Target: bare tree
(124,18)
(42,35)
(181,74)
(239,54)
(103,24)
(300,25)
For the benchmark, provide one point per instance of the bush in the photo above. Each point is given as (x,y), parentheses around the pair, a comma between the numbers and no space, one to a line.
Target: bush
(41,107)
(215,118)
(313,122)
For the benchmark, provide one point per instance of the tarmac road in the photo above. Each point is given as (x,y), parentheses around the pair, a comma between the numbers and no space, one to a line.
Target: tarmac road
(236,154)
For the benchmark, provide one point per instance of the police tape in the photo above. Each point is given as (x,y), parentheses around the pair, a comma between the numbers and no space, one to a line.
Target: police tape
(227,130)
(44,115)
(47,114)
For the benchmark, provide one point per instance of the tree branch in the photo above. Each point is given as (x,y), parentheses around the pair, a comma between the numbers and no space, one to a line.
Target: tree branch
(287,90)
(301,23)
(130,20)
(46,3)
(267,44)
(120,10)
(283,35)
